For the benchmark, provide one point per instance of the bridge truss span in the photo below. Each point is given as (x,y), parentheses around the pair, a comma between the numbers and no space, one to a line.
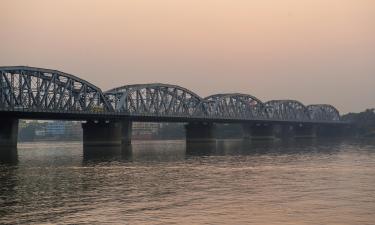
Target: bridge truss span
(43,90)
(29,92)
(323,112)
(234,105)
(155,100)
(287,110)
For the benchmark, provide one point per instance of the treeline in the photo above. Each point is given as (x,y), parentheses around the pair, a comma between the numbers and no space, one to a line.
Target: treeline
(363,123)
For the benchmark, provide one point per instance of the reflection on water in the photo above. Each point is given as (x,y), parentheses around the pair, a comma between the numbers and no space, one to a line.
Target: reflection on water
(8,155)
(161,182)
(101,153)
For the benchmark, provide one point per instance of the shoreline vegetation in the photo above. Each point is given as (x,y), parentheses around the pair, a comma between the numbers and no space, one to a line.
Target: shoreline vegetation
(363,123)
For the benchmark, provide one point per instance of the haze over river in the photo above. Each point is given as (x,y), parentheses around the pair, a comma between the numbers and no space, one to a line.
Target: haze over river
(165,182)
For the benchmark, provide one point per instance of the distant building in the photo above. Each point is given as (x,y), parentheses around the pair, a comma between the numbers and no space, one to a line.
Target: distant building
(61,130)
(40,132)
(73,129)
(22,124)
(145,130)
(55,128)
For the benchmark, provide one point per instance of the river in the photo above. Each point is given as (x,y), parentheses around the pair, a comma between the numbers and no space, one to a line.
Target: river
(167,182)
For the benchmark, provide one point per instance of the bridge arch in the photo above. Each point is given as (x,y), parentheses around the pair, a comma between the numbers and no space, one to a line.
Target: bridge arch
(234,105)
(287,110)
(323,112)
(155,99)
(29,89)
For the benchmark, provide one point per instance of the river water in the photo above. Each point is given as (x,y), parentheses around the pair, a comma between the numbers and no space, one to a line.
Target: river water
(167,182)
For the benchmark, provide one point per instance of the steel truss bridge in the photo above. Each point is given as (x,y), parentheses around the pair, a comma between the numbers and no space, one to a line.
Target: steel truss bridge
(27,92)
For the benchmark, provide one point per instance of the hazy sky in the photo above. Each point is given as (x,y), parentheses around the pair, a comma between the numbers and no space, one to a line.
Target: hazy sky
(315,51)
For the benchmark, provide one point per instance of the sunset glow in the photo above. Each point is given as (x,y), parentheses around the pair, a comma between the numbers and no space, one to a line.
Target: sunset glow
(312,50)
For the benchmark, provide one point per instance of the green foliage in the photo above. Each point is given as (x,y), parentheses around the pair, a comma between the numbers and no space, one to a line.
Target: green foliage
(363,122)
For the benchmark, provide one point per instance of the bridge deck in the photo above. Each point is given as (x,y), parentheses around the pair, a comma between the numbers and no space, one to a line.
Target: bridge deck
(81,116)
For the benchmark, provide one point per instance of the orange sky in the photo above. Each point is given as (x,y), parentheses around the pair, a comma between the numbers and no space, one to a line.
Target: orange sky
(316,51)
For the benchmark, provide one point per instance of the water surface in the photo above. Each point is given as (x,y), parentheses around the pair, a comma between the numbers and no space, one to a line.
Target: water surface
(159,182)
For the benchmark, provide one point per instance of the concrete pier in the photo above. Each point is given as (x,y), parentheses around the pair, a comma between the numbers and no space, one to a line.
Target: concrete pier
(305,131)
(331,131)
(102,133)
(8,133)
(8,139)
(126,133)
(106,138)
(284,131)
(259,131)
(200,132)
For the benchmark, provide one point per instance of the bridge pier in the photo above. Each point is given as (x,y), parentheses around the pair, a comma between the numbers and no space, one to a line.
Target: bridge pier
(200,132)
(101,133)
(8,132)
(284,131)
(8,139)
(330,130)
(126,133)
(259,131)
(106,138)
(305,131)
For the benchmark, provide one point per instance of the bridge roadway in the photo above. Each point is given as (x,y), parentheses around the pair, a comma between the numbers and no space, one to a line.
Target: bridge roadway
(37,93)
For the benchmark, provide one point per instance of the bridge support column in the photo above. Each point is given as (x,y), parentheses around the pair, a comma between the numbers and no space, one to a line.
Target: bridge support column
(8,139)
(8,132)
(106,138)
(284,131)
(200,132)
(330,130)
(305,131)
(259,131)
(101,133)
(126,132)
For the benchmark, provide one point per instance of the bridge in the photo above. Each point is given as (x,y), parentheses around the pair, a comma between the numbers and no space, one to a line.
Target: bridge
(37,93)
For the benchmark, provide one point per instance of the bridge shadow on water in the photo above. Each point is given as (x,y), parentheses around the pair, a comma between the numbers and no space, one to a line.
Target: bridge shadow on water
(180,150)
(160,151)
(164,151)
(257,147)
(106,153)
(8,155)
(140,151)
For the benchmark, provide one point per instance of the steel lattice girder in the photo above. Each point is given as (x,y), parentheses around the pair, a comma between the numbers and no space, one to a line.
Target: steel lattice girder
(155,99)
(234,105)
(323,112)
(44,90)
(171,100)
(28,88)
(286,110)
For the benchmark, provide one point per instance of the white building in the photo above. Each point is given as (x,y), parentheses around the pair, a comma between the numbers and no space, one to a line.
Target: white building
(141,128)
